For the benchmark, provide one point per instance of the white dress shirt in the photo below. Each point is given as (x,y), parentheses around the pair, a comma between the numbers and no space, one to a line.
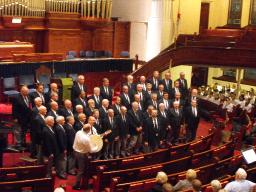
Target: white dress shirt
(82,143)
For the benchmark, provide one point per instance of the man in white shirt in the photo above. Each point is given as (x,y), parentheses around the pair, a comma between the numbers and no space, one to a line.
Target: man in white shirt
(240,184)
(82,147)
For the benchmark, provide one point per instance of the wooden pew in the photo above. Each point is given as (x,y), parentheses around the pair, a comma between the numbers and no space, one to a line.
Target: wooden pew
(35,185)
(22,173)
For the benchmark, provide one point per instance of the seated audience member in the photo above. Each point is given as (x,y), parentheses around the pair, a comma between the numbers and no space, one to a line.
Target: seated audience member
(161,179)
(216,185)
(167,187)
(197,185)
(250,135)
(186,184)
(240,183)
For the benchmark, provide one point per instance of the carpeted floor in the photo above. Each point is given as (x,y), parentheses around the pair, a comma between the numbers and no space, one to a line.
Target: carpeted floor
(13,159)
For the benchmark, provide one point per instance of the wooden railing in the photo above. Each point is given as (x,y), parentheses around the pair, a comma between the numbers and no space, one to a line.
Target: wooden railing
(211,50)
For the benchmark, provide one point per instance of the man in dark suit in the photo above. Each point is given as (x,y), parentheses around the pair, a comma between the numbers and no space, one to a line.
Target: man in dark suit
(192,96)
(192,120)
(124,134)
(139,91)
(130,84)
(111,142)
(183,85)
(178,99)
(50,145)
(54,110)
(91,106)
(155,80)
(141,104)
(80,122)
(37,104)
(52,91)
(165,100)
(67,110)
(153,132)
(54,97)
(148,91)
(98,125)
(143,82)
(81,100)
(77,87)
(135,125)
(167,82)
(153,101)
(125,97)
(38,93)
(61,137)
(36,134)
(70,133)
(117,106)
(160,92)
(147,114)
(175,89)
(21,111)
(163,114)
(104,109)
(78,109)
(96,97)
(106,91)
(176,121)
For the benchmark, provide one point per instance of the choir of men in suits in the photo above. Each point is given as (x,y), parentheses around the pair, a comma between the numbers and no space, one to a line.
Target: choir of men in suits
(147,115)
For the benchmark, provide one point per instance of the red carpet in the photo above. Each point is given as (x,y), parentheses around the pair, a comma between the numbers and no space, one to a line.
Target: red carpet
(13,159)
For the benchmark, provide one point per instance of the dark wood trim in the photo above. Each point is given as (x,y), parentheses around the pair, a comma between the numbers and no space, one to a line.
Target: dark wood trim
(248,82)
(226,78)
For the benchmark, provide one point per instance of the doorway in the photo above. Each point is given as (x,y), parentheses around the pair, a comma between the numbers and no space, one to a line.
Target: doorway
(204,16)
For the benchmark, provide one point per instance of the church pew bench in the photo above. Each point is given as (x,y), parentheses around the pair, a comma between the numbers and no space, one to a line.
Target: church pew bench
(35,185)
(21,173)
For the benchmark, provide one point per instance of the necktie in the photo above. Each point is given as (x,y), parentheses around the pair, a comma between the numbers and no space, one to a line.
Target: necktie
(41,96)
(154,102)
(81,87)
(111,122)
(26,101)
(194,111)
(83,102)
(141,97)
(70,112)
(118,108)
(167,84)
(127,98)
(163,113)
(155,123)
(177,111)
(106,90)
(139,106)
(124,119)
(97,99)
(166,104)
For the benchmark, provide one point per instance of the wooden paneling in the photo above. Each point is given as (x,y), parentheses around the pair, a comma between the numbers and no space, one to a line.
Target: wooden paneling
(61,32)
(121,37)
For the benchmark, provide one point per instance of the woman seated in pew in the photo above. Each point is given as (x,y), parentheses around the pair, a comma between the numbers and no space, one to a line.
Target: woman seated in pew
(216,185)
(197,185)
(161,179)
(186,184)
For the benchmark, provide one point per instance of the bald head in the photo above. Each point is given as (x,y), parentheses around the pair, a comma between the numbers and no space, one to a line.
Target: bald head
(24,91)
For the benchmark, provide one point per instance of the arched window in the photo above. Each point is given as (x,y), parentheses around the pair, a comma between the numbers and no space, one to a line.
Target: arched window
(253,13)
(235,10)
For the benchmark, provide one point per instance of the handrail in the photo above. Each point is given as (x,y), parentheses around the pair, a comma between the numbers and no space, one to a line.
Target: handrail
(199,55)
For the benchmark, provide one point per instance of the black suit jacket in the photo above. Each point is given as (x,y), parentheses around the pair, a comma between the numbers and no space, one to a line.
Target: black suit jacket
(153,133)
(134,121)
(184,88)
(34,95)
(75,91)
(51,113)
(35,112)
(61,138)
(123,126)
(116,111)
(78,126)
(103,113)
(154,86)
(78,101)
(114,128)
(131,87)
(65,113)
(159,96)
(182,103)
(167,87)
(70,133)
(20,110)
(88,112)
(99,126)
(150,102)
(190,118)
(173,92)
(37,127)
(104,94)
(97,105)
(169,103)
(50,145)
(125,102)
(176,120)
